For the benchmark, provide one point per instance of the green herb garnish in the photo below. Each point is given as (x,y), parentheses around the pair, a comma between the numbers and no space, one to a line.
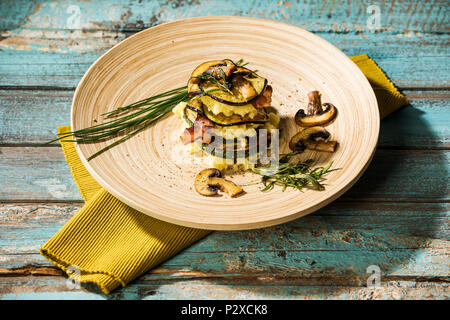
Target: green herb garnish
(147,111)
(240,63)
(131,119)
(225,86)
(206,92)
(296,175)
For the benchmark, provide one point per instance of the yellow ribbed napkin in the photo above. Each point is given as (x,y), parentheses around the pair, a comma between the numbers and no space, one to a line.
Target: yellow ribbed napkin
(109,244)
(388,97)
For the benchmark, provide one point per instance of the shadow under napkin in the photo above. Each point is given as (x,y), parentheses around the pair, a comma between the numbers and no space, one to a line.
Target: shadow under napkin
(332,247)
(340,239)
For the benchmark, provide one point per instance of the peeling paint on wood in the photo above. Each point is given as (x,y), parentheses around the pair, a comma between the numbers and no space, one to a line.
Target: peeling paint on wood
(57,288)
(56,54)
(41,173)
(321,255)
(61,60)
(396,216)
(31,117)
(337,16)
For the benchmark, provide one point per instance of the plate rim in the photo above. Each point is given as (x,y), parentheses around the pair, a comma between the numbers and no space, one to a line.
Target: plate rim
(226,226)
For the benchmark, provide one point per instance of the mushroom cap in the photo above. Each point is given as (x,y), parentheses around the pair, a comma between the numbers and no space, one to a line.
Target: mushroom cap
(322,118)
(312,138)
(201,182)
(209,181)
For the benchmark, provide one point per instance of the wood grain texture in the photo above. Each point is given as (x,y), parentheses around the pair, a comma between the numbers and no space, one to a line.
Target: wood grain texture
(31,117)
(33,173)
(38,49)
(325,254)
(57,288)
(36,68)
(145,171)
(317,15)
(340,227)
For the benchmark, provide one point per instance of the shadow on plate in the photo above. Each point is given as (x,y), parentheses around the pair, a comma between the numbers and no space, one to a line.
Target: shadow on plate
(332,248)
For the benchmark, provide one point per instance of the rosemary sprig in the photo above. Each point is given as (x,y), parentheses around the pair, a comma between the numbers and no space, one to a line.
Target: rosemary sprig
(206,92)
(296,175)
(210,77)
(240,63)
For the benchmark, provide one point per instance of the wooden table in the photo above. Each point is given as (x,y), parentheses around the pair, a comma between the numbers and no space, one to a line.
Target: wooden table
(394,218)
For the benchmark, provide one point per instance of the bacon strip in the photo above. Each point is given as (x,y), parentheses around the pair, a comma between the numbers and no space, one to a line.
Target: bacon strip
(264,100)
(203,125)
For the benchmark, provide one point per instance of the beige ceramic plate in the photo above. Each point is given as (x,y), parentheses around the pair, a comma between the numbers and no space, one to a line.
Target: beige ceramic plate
(146,172)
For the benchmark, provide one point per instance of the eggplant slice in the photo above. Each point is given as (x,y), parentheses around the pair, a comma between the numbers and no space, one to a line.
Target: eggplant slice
(217,152)
(191,117)
(226,82)
(236,99)
(195,105)
(250,149)
(193,82)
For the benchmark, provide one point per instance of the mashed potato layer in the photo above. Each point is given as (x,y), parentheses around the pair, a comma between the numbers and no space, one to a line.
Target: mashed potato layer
(230,132)
(217,108)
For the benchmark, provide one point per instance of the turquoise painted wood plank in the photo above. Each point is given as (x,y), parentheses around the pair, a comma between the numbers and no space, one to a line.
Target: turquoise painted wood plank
(57,288)
(422,125)
(45,169)
(60,58)
(318,15)
(328,228)
(404,175)
(343,238)
(31,117)
(40,173)
(428,262)
(331,248)
(85,42)
(39,50)
(410,242)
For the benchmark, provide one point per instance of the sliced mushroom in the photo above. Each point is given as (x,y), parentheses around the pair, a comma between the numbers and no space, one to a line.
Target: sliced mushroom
(316,115)
(313,138)
(209,181)
(314,104)
(225,186)
(244,87)
(201,182)
(320,145)
(217,70)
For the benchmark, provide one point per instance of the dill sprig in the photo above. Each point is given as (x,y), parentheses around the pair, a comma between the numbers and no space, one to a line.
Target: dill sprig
(297,175)
(146,112)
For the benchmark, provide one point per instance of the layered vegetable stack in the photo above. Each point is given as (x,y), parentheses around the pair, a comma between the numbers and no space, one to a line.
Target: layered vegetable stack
(226,110)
